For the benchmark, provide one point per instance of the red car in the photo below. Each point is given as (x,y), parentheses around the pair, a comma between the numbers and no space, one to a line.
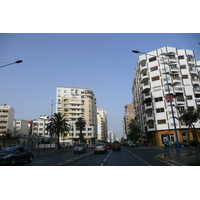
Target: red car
(116,146)
(108,146)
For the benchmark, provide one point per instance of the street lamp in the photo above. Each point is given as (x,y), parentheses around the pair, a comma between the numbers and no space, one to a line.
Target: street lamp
(18,61)
(178,145)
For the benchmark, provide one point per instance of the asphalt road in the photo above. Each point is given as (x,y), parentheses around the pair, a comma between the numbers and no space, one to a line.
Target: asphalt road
(126,157)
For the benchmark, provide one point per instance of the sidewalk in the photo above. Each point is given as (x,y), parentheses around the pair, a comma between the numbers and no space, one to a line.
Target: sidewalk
(184,159)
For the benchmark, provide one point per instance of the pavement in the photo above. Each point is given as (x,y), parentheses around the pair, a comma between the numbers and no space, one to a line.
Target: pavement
(187,157)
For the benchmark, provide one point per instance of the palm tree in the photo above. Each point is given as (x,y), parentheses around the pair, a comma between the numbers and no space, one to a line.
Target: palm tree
(80,124)
(59,126)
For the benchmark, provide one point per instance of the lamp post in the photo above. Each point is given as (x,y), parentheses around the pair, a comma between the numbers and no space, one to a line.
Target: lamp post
(18,61)
(178,145)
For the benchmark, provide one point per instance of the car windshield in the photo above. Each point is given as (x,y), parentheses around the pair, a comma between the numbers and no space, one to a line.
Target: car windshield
(79,145)
(100,144)
(9,149)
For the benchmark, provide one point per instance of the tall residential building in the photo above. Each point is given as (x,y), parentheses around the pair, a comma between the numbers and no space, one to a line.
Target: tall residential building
(128,116)
(75,103)
(102,124)
(151,97)
(6,119)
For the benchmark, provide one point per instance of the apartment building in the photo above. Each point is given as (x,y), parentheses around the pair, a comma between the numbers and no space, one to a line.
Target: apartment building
(22,127)
(75,103)
(102,124)
(6,119)
(128,116)
(155,71)
(39,126)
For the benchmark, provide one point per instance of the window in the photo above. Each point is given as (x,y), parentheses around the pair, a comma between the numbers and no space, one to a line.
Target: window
(152,59)
(180,57)
(89,134)
(155,78)
(183,66)
(154,68)
(184,76)
(189,97)
(159,110)
(162,121)
(158,99)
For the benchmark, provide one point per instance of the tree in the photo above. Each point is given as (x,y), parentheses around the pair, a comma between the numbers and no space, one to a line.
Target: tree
(190,116)
(59,126)
(6,135)
(134,131)
(80,124)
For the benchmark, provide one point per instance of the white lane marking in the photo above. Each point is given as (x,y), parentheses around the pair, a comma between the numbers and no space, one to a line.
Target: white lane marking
(72,159)
(138,158)
(106,159)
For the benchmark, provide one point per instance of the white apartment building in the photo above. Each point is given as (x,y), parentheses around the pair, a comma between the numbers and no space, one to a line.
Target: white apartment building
(111,136)
(6,119)
(39,126)
(151,97)
(22,127)
(75,103)
(102,124)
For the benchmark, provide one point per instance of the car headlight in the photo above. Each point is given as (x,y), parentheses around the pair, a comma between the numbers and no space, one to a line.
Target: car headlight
(7,156)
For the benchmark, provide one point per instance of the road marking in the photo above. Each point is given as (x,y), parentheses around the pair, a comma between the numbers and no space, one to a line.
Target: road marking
(102,164)
(138,158)
(72,159)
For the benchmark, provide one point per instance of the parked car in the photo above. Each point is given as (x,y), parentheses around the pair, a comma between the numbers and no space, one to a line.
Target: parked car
(181,144)
(108,146)
(12,155)
(80,148)
(116,146)
(133,145)
(100,148)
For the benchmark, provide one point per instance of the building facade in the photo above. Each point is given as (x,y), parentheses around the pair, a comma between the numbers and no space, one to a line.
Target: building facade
(6,119)
(155,71)
(102,124)
(75,103)
(111,136)
(128,116)
(39,126)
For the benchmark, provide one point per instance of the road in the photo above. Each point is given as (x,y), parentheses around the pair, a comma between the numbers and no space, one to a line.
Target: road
(126,157)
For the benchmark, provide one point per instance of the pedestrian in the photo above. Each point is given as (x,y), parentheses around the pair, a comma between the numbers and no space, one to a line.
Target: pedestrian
(165,143)
(170,144)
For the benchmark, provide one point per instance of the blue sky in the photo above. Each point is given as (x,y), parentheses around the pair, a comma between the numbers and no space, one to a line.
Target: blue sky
(101,62)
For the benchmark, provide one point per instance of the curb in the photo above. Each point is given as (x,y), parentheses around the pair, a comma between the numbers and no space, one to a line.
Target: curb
(168,161)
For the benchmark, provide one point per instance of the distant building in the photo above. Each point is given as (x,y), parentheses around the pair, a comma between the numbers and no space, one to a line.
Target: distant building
(111,136)
(102,124)
(22,127)
(75,103)
(6,119)
(39,126)
(128,116)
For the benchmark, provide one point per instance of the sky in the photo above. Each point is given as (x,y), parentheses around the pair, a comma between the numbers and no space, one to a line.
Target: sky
(101,62)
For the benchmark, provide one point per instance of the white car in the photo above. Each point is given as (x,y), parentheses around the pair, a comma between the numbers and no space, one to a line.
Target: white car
(100,148)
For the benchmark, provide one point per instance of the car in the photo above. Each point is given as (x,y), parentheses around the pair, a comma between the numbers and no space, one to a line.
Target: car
(80,148)
(181,144)
(133,145)
(116,146)
(14,154)
(100,148)
(108,146)
(92,147)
